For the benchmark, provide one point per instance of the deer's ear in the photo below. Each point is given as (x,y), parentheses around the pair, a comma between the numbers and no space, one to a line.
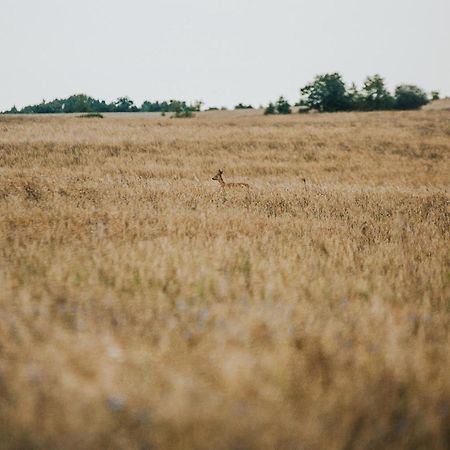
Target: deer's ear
(220,171)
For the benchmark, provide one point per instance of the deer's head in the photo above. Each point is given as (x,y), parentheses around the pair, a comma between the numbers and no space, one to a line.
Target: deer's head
(218,176)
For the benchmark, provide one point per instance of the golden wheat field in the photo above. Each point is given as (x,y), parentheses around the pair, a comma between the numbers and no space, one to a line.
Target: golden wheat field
(142,307)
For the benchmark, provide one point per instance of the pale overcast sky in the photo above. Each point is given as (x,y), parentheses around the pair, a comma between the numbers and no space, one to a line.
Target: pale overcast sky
(220,51)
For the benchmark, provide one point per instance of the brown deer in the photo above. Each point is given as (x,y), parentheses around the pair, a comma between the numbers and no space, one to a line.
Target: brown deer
(223,185)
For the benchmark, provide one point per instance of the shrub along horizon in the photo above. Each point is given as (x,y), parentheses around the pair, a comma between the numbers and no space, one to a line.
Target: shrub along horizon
(329,93)
(326,93)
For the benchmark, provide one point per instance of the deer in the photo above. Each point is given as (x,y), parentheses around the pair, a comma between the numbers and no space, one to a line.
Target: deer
(218,177)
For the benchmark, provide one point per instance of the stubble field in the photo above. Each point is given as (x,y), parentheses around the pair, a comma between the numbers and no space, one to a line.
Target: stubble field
(143,308)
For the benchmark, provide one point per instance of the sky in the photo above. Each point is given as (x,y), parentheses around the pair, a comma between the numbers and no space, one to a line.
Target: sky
(220,51)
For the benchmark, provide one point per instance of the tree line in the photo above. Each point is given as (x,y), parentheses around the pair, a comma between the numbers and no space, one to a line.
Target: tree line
(81,103)
(326,93)
(329,93)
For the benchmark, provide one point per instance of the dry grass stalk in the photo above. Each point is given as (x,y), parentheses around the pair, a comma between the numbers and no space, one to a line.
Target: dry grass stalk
(141,307)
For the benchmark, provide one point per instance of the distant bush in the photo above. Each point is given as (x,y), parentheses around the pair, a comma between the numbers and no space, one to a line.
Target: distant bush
(183,113)
(242,106)
(408,96)
(170,106)
(435,95)
(329,93)
(13,110)
(374,95)
(92,115)
(125,104)
(270,109)
(283,106)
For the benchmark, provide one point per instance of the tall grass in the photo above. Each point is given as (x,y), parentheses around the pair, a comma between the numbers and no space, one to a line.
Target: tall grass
(142,307)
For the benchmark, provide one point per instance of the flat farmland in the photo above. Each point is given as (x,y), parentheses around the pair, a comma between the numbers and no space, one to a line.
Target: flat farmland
(143,307)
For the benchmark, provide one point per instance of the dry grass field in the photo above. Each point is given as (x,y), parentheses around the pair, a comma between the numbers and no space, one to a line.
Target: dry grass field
(442,104)
(143,308)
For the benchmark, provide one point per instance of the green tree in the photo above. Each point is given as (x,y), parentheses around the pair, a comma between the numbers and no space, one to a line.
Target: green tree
(355,98)
(435,95)
(148,106)
(171,106)
(79,103)
(124,104)
(13,110)
(183,113)
(182,110)
(283,106)
(55,106)
(270,109)
(374,94)
(327,93)
(408,96)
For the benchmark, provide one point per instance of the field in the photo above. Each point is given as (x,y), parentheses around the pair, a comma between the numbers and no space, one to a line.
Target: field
(143,308)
